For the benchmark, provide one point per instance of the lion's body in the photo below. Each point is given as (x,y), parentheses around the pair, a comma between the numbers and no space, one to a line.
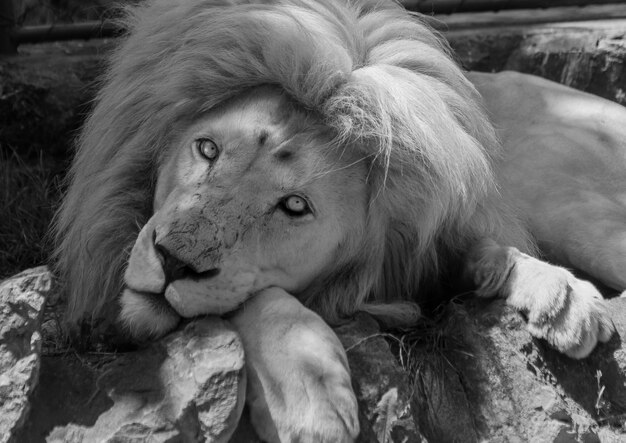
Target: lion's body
(564,168)
(330,154)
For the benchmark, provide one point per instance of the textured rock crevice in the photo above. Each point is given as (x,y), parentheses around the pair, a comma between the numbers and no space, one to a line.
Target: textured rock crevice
(497,383)
(190,386)
(381,384)
(22,299)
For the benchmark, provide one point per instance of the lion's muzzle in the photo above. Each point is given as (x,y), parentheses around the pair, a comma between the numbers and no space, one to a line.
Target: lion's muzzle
(175,259)
(183,257)
(189,237)
(177,264)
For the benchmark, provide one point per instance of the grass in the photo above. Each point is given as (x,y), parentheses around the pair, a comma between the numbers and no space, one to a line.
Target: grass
(29,195)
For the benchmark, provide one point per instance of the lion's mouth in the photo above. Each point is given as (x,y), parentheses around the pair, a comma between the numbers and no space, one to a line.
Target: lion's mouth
(186,273)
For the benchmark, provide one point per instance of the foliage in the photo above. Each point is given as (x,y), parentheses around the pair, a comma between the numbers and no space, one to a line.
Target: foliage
(29,193)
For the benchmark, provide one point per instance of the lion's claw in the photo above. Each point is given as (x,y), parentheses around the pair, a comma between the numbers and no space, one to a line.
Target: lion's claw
(577,324)
(569,313)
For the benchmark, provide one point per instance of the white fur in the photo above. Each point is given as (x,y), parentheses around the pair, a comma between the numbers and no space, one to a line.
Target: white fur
(563,167)
(567,312)
(299,385)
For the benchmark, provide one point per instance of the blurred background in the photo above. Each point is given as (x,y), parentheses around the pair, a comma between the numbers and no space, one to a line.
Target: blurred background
(52,53)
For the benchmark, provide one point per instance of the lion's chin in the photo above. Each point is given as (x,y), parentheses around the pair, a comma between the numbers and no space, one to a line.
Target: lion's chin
(190,297)
(147,315)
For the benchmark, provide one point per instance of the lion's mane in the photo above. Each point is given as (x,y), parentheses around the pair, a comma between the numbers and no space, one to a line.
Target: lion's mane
(380,78)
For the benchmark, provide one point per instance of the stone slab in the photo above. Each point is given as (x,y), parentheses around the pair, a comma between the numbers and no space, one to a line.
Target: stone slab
(22,300)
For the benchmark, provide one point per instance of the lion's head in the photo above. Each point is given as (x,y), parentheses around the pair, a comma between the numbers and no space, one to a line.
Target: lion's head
(253,194)
(332,149)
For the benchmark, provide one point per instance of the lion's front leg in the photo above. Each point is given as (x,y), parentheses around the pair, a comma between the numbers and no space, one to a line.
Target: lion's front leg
(299,385)
(567,312)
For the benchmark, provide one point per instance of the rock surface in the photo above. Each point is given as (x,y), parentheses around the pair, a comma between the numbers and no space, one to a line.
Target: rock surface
(494,382)
(585,57)
(477,376)
(381,384)
(22,300)
(188,387)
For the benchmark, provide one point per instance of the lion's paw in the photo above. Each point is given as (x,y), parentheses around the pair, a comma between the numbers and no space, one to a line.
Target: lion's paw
(570,314)
(567,312)
(299,387)
(315,410)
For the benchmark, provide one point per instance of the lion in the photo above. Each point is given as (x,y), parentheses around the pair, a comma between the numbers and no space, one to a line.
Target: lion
(289,163)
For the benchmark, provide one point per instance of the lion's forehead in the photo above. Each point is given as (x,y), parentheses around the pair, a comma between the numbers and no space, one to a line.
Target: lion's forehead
(265,140)
(263,117)
(268,149)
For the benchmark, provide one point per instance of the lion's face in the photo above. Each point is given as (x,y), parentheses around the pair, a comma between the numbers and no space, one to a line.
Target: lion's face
(250,196)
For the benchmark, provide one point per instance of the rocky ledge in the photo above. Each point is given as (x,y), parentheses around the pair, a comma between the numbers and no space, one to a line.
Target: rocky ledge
(476,376)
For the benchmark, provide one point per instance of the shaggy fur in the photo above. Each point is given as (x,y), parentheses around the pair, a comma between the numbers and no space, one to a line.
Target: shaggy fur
(379,78)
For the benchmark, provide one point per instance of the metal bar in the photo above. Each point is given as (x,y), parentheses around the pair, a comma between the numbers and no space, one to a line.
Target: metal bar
(450,6)
(72,31)
(7,23)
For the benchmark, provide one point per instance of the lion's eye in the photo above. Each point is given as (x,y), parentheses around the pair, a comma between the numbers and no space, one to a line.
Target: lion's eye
(295,206)
(206,148)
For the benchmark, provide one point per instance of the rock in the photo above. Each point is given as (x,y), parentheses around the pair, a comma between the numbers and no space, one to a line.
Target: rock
(22,299)
(591,61)
(588,58)
(442,410)
(491,381)
(477,377)
(126,399)
(381,385)
(188,387)
(67,393)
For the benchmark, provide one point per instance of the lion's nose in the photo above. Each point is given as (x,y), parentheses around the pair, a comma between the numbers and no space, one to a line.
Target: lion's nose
(187,250)
(175,268)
